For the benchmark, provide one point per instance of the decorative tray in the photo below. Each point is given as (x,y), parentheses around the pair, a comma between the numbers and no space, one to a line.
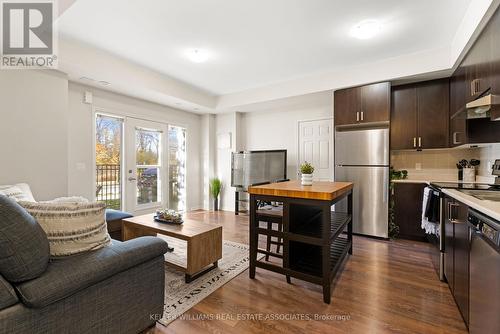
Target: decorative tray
(168,217)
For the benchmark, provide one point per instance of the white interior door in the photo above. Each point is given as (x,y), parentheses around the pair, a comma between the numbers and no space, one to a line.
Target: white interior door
(316,147)
(146,165)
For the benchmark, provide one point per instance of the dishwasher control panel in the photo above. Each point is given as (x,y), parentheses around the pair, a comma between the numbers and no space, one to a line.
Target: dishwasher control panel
(488,227)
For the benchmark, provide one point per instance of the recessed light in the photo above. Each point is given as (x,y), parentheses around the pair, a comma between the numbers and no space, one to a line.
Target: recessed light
(197,55)
(366,29)
(103,83)
(196,109)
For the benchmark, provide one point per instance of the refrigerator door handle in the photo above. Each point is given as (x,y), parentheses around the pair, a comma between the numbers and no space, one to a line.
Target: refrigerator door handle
(385,187)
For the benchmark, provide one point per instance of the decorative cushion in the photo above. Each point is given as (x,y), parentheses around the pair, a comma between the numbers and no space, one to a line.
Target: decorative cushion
(24,248)
(25,189)
(71,227)
(15,193)
(72,199)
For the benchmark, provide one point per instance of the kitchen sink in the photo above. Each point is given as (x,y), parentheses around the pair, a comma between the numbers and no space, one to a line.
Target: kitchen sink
(485,195)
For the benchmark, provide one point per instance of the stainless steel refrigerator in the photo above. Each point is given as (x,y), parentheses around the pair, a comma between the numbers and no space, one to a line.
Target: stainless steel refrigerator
(362,157)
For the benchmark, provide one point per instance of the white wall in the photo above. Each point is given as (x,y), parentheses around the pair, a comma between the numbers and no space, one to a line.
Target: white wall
(80,141)
(34,131)
(277,128)
(225,123)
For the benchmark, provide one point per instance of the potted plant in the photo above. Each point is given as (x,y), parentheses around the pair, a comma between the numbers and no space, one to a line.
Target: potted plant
(215,189)
(306,170)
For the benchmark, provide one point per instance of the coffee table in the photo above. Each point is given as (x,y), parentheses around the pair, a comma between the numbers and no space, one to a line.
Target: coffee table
(204,241)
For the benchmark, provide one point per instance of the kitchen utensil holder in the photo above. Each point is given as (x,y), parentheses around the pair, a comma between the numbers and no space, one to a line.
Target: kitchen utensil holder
(469,174)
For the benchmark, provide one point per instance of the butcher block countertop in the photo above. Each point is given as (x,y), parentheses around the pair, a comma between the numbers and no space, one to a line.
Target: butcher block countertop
(320,190)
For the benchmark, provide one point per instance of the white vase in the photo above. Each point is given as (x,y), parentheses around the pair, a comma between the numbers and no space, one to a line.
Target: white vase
(307,179)
(470,174)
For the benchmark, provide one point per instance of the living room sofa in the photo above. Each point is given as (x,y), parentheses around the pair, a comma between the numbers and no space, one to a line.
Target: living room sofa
(115,289)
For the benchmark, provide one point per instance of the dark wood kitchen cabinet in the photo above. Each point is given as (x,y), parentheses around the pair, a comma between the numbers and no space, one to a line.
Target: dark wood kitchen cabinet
(420,115)
(408,210)
(364,104)
(458,119)
(477,64)
(457,248)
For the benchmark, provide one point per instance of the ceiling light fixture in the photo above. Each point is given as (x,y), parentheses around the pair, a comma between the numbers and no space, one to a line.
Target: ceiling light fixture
(366,29)
(197,55)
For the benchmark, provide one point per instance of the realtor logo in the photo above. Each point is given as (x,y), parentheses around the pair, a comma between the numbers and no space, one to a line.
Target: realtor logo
(28,34)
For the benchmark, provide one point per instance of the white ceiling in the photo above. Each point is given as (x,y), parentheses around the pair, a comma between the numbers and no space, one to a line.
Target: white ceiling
(260,42)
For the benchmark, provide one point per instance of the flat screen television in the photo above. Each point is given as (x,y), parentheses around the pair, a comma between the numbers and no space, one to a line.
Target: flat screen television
(257,167)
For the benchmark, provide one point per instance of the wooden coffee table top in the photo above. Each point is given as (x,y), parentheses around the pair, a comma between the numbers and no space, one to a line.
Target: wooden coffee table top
(186,231)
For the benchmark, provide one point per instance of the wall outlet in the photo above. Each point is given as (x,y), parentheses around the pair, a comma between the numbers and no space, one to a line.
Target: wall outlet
(418,166)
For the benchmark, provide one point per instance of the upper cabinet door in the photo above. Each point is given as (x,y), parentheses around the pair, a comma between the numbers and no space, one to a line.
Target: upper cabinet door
(477,65)
(433,113)
(347,106)
(458,119)
(376,102)
(404,118)
(494,26)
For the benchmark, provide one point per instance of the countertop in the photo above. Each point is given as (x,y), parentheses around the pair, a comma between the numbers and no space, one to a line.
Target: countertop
(489,208)
(319,190)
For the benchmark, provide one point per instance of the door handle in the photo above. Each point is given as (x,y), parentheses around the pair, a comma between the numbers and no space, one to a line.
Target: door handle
(362,116)
(414,141)
(419,141)
(357,116)
(132,179)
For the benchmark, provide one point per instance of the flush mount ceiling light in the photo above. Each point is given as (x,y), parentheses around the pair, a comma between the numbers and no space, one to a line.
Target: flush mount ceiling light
(197,55)
(366,29)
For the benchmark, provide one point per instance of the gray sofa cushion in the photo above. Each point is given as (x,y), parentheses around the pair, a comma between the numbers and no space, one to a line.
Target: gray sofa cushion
(8,296)
(67,276)
(24,247)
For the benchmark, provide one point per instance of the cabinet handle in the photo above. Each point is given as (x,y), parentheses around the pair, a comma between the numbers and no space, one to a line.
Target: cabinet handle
(419,141)
(453,219)
(414,141)
(362,116)
(357,116)
(455,138)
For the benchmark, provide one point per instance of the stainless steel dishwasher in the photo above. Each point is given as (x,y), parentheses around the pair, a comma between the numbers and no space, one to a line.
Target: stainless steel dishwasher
(484,307)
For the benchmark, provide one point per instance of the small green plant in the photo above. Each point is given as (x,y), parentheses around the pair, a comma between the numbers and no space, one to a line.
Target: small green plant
(394,175)
(306,168)
(215,187)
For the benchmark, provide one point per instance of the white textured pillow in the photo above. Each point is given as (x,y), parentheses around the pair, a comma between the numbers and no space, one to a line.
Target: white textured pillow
(72,199)
(15,193)
(23,187)
(71,227)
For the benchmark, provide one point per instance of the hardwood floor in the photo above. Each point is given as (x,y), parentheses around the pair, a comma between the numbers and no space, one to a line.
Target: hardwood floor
(385,287)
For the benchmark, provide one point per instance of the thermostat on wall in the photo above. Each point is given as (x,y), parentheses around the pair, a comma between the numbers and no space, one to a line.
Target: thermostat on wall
(87,97)
(224,140)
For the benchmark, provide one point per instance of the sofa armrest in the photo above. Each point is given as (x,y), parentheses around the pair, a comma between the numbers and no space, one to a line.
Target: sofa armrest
(69,275)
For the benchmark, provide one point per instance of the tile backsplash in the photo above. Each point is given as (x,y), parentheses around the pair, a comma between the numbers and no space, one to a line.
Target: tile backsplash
(440,165)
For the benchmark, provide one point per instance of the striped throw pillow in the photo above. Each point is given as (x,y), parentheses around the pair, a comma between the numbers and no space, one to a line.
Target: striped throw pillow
(71,228)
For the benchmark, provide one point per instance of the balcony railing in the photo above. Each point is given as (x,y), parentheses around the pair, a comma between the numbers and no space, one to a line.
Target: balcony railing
(108,185)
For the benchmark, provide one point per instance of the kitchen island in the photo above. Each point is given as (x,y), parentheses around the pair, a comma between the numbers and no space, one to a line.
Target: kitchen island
(315,240)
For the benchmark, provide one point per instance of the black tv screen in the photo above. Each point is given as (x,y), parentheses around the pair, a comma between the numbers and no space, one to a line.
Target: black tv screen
(257,167)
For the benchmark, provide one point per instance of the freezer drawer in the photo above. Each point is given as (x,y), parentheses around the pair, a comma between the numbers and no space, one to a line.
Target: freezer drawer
(370,198)
(362,147)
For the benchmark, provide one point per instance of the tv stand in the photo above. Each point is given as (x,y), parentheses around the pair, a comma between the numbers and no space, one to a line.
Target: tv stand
(237,201)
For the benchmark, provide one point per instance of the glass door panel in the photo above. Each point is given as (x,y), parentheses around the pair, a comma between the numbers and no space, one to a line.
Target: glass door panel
(177,168)
(148,165)
(108,158)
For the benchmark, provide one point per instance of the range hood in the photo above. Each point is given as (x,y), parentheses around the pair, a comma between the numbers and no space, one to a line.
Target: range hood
(484,107)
